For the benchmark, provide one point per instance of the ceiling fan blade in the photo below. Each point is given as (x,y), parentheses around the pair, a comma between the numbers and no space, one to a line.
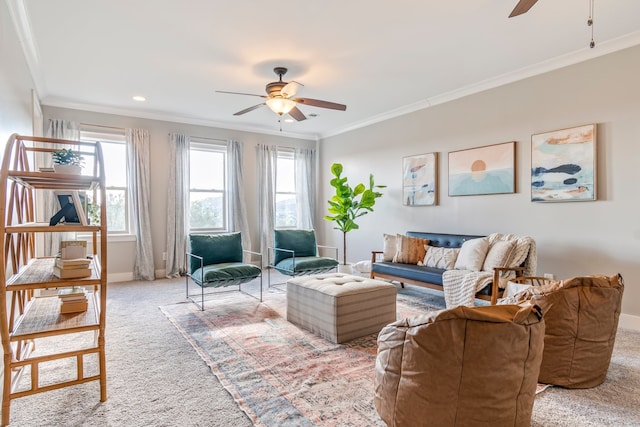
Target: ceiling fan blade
(322,104)
(246,110)
(523,6)
(290,90)
(297,114)
(241,93)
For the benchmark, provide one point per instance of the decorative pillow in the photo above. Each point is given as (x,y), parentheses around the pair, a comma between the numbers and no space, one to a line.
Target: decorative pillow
(390,248)
(499,254)
(444,258)
(410,250)
(362,266)
(472,254)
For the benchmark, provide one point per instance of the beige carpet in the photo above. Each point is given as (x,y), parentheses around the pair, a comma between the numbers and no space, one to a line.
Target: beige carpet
(156,378)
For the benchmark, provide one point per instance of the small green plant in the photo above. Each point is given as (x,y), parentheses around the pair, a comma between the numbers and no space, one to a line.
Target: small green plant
(66,156)
(350,203)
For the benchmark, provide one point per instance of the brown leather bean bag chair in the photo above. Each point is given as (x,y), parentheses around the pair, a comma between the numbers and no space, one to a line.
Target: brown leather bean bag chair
(460,367)
(581,318)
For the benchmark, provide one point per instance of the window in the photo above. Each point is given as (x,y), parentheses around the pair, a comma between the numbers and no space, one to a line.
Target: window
(286,209)
(207,184)
(114,152)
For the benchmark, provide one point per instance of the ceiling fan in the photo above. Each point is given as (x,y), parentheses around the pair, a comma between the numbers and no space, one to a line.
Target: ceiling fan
(281,99)
(523,6)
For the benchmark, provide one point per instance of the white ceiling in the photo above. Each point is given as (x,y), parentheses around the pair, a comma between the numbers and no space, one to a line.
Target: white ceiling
(380,58)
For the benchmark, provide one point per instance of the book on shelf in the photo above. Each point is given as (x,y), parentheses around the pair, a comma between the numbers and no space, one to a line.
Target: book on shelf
(74,306)
(72,263)
(71,273)
(73,249)
(72,291)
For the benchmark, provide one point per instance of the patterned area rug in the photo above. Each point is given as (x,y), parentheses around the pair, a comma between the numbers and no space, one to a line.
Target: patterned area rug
(279,374)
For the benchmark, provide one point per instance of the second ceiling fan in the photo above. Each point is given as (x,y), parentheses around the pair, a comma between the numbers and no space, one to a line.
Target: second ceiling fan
(523,6)
(281,98)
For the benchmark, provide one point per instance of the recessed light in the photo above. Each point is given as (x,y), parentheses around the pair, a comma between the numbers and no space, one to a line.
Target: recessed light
(139,98)
(288,120)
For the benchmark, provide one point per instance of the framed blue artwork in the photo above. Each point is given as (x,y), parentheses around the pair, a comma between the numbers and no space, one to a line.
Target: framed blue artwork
(563,165)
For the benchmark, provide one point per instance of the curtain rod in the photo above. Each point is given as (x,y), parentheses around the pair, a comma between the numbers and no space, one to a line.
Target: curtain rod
(101,126)
(210,139)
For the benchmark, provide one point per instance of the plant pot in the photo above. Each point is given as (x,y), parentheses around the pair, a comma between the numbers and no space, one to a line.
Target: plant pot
(345,268)
(68,169)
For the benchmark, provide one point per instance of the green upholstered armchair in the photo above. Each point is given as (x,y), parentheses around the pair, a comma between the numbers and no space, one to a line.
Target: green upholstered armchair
(295,253)
(215,260)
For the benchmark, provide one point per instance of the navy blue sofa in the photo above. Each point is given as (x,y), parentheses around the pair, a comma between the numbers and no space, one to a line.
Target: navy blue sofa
(430,277)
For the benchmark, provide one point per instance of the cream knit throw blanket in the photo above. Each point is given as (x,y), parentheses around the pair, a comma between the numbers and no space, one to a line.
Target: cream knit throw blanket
(460,286)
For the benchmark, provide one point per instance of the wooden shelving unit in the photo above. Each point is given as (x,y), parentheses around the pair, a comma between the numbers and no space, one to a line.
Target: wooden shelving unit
(26,317)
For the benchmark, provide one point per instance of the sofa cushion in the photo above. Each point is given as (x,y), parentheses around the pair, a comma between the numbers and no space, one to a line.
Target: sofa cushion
(444,258)
(215,249)
(410,271)
(472,254)
(302,242)
(410,250)
(389,247)
(499,254)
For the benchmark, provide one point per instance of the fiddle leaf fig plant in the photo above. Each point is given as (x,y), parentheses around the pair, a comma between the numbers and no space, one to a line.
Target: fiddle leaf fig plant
(349,203)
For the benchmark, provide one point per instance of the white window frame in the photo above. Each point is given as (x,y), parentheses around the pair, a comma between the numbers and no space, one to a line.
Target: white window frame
(289,154)
(113,137)
(205,145)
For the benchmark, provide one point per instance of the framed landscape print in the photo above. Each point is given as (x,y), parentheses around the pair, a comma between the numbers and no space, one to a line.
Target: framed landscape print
(483,170)
(563,165)
(420,180)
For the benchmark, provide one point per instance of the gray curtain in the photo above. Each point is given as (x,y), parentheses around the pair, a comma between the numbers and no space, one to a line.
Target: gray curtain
(235,190)
(140,200)
(305,170)
(60,129)
(177,203)
(267,159)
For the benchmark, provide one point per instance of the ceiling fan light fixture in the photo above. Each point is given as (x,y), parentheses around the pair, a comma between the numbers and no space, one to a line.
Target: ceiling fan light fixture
(280,105)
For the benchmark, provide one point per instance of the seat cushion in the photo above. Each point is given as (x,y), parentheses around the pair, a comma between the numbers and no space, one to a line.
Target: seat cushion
(215,248)
(305,265)
(302,242)
(225,274)
(409,271)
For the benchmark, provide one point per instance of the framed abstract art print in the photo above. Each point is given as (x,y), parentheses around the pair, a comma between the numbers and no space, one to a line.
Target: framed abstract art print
(483,170)
(563,165)
(420,180)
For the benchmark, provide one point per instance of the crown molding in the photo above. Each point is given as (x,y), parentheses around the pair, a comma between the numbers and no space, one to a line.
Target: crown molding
(166,117)
(20,18)
(556,63)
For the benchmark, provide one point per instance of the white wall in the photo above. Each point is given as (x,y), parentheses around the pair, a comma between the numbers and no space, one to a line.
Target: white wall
(122,254)
(15,82)
(573,239)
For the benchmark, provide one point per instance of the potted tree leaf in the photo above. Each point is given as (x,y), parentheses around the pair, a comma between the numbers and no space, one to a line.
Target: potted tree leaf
(349,203)
(65,160)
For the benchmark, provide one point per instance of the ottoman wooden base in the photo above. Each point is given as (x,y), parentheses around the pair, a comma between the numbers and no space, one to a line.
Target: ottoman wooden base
(340,307)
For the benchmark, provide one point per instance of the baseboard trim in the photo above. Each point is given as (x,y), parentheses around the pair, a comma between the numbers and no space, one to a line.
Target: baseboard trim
(628,321)
(119,277)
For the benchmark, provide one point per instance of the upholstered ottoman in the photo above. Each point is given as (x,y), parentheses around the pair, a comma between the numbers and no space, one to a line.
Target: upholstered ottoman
(340,307)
